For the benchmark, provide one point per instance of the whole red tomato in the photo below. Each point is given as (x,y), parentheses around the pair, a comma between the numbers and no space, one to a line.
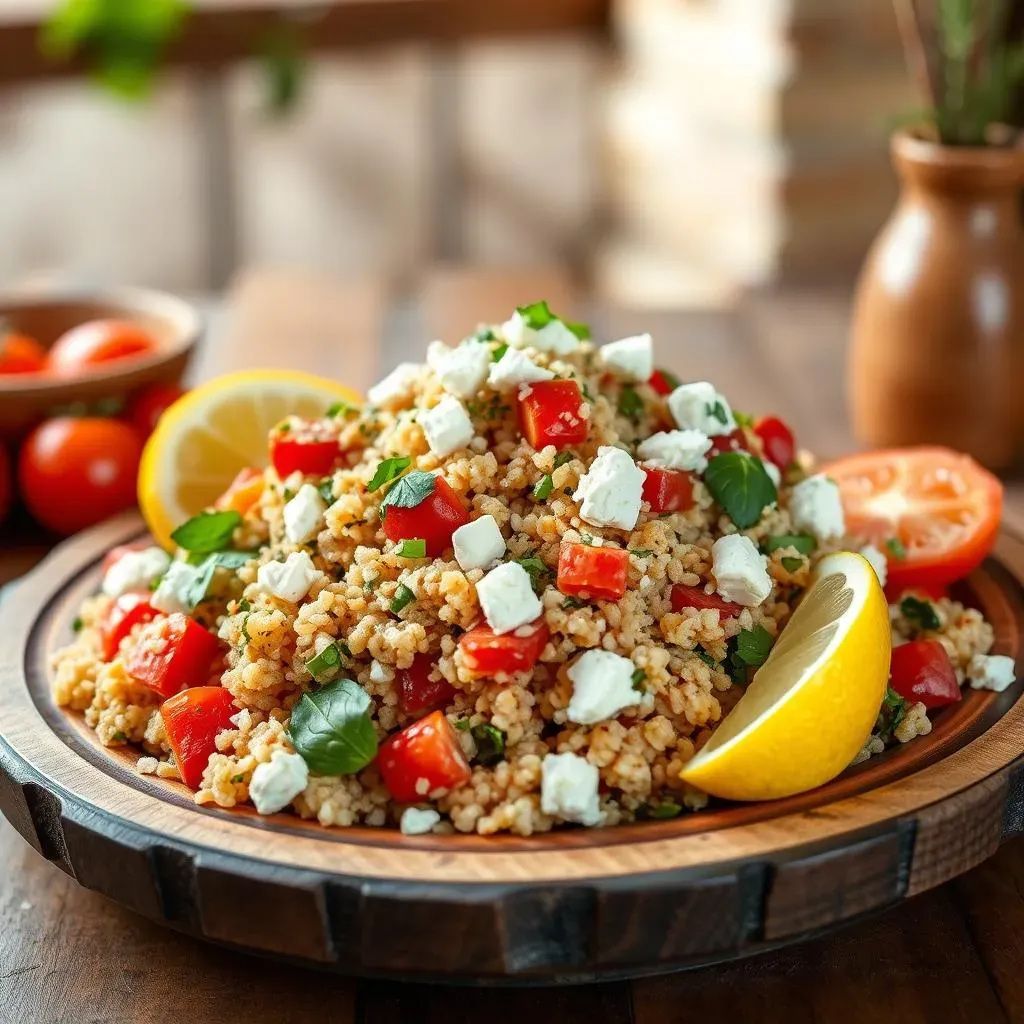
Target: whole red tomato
(6,484)
(148,404)
(76,472)
(97,342)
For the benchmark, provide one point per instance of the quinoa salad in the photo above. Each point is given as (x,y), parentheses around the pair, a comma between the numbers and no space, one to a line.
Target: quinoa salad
(516,590)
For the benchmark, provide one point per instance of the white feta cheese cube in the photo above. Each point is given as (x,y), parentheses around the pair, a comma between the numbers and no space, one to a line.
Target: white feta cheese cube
(461,370)
(740,570)
(698,406)
(416,822)
(602,685)
(630,358)
(515,368)
(396,386)
(569,789)
(447,426)
(676,449)
(991,672)
(479,544)
(302,515)
(168,596)
(774,474)
(816,506)
(611,490)
(277,782)
(878,562)
(289,580)
(135,570)
(552,337)
(507,598)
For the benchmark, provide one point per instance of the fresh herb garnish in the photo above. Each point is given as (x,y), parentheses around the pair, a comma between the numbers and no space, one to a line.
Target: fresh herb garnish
(244,605)
(120,736)
(388,470)
(369,586)
(238,778)
(192,581)
(414,548)
(705,657)
(410,491)
(637,679)
(332,730)
(342,408)
(326,490)
(582,331)
(498,353)
(892,713)
(537,315)
(490,744)
(716,411)
(920,612)
(327,660)
(742,419)
(545,485)
(538,571)
(482,334)
(207,532)
(77,624)
(792,563)
(669,378)
(403,596)
(462,725)
(631,405)
(283,427)
(741,485)
(562,458)
(753,646)
(896,548)
(666,809)
(803,542)
(573,602)
(641,552)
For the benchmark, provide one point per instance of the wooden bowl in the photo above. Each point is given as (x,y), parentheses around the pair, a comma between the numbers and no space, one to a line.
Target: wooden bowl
(175,325)
(568,906)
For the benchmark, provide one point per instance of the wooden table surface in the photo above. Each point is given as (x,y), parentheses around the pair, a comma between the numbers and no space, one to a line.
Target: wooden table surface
(953,954)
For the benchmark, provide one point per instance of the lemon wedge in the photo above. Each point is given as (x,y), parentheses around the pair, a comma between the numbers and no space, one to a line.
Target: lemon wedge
(217,429)
(812,705)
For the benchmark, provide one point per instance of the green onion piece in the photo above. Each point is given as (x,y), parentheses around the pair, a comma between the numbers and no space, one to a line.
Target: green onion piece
(321,665)
(415,548)
(403,596)
(544,487)
(342,408)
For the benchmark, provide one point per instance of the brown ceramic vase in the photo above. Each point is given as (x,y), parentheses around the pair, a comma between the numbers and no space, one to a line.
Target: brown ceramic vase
(937,354)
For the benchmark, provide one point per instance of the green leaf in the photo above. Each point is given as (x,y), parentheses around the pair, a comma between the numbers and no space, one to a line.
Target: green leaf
(666,809)
(538,571)
(892,713)
(631,405)
(462,725)
(574,602)
(332,730)
(896,548)
(637,679)
(741,485)
(410,491)
(415,548)
(325,662)
(742,419)
(803,542)
(920,612)
(536,315)
(326,490)
(562,458)
(753,646)
(791,563)
(77,624)
(388,470)
(498,353)
(717,411)
(193,587)
(705,657)
(483,334)
(582,331)
(490,744)
(207,532)
(403,597)
(641,552)
(342,408)
(545,485)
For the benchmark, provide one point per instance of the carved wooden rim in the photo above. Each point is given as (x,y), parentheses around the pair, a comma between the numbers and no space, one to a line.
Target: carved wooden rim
(598,902)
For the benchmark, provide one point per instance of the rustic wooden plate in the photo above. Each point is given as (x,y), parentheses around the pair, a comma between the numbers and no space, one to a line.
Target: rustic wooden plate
(576,905)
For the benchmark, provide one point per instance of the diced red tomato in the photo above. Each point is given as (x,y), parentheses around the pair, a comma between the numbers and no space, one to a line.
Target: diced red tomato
(587,571)
(696,597)
(422,757)
(192,720)
(298,446)
(777,439)
(114,555)
(734,441)
(434,519)
(487,654)
(243,492)
(416,691)
(172,654)
(668,490)
(663,382)
(550,414)
(127,611)
(921,671)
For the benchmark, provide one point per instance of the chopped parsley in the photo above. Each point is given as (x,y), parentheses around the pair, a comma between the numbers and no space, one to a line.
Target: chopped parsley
(582,331)
(920,612)
(562,458)
(705,657)
(414,548)
(324,663)
(896,548)
(77,624)
(631,405)
(537,570)
(545,485)
(792,563)
(403,597)
(342,408)
(892,713)
(238,778)
(748,649)
(741,485)
(538,315)
(120,736)
(326,490)
(207,532)
(388,470)
(573,602)
(716,411)
(803,542)
(462,725)
(666,809)
(482,334)
(498,353)
(490,744)
(641,552)
(638,677)
(410,491)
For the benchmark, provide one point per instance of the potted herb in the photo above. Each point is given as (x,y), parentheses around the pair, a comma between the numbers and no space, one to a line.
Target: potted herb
(938,329)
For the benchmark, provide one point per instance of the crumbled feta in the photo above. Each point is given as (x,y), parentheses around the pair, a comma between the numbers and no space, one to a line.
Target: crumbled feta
(552,337)
(568,789)
(461,370)
(740,570)
(416,822)
(291,579)
(676,449)
(507,598)
(815,505)
(991,672)
(167,597)
(611,490)
(631,358)
(515,368)
(447,426)
(380,673)
(878,562)
(478,544)
(395,387)
(135,570)
(277,782)
(774,474)
(302,515)
(698,406)
(602,685)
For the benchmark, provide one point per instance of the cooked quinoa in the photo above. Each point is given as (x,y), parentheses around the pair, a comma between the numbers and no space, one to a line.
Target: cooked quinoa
(382,612)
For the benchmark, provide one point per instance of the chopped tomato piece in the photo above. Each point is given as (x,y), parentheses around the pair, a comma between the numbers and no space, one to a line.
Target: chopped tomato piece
(549,413)
(20,354)
(668,490)
(434,519)
(423,757)
(921,671)
(172,654)
(192,720)
(417,691)
(243,492)
(777,439)
(121,618)
(734,441)
(299,446)
(934,512)
(587,571)
(663,382)
(487,654)
(697,597)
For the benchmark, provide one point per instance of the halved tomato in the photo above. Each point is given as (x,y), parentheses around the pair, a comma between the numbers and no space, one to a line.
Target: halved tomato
(934,512)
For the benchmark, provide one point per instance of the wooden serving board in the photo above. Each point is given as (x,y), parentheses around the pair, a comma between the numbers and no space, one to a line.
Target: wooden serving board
(574,905)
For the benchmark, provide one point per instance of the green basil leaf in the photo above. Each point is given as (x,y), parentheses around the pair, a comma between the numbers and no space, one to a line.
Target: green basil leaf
(321,665)
(631,405)
(896,549)
(792,563)
(536,315)
(741,485)
(387,471)
(207,532)
(920,612)
(332,730)
(410,491)
(490,744)
(403,597)
(803,542)
(545,485)
(414,548)
(753,646)
(498,353)
(717,412)
(582,331)
(342,409)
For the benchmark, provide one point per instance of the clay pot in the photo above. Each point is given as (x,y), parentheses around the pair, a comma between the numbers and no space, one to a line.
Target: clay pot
(937,354)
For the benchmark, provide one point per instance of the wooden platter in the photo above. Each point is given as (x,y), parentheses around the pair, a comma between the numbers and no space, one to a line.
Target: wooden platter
(575,905)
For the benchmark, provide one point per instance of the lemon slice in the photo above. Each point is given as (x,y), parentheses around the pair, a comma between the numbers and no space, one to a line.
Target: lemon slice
(215,430)
(812,705)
